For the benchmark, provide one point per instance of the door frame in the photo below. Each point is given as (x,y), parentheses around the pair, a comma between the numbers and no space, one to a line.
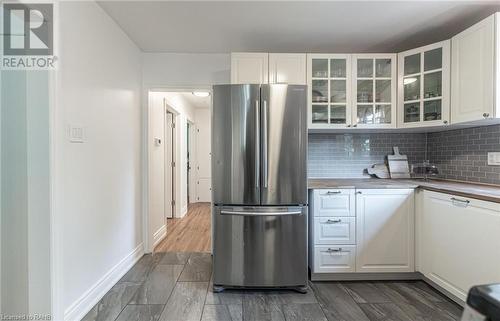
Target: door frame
(147,238)
(170,179)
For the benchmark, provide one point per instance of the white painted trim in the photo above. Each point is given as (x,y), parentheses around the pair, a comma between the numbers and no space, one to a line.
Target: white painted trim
(78,309)
(183,211)
(159,235)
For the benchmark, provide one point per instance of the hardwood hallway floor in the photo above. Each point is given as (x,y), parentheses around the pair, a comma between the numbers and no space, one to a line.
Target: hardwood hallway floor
(192,233)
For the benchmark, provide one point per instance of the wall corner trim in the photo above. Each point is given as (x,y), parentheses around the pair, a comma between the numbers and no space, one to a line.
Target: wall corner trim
(78,309)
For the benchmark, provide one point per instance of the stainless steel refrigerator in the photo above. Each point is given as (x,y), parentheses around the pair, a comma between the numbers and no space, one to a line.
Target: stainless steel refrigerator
(259,186)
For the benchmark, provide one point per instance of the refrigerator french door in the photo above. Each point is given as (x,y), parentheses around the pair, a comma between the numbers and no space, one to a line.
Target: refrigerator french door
(259,147)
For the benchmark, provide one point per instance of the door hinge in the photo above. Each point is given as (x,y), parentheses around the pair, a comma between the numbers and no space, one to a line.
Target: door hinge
(173,164)
(173,203)
(173,125)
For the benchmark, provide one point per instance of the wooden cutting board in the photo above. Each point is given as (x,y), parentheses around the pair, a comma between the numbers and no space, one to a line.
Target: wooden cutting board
(398,164)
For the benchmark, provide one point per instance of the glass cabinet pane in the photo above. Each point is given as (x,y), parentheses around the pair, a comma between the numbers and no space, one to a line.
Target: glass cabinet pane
(365,91)
(320,114)
(338,91)
(412,112)
(382,114)
(365,68)
(383,91)
(365,114)
(432,110)
(338,114)
(412,64)
(432,85)
(433,59)
(411,88)
(320,91)
(383,68)
(338,68)
(320,68)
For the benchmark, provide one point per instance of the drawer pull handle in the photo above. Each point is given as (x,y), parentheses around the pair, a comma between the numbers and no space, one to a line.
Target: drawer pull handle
(333,221)
(330,250)
(466,202)
(333,192)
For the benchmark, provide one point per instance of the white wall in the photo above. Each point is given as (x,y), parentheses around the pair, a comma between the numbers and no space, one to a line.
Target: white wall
(177,69)
(98,182)
(203,155)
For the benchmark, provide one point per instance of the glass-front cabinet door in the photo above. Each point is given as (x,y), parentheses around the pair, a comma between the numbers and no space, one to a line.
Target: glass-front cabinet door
(329,82)
(424,86)
(374,90)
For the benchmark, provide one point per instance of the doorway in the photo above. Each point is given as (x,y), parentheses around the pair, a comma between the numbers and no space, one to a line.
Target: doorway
(188,164)
(169,164)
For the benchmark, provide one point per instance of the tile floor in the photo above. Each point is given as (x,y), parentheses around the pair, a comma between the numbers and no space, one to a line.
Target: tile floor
(177,287)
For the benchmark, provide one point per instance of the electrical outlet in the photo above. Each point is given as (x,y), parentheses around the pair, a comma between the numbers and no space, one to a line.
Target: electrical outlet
(76,134)
(494,158)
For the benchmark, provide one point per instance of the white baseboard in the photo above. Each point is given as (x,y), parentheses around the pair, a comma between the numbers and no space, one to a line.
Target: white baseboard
(159,235)
(78,309)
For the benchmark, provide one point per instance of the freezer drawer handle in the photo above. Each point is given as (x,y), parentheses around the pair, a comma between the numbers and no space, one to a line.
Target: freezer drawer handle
(260,213)
(330,250)
(333,221)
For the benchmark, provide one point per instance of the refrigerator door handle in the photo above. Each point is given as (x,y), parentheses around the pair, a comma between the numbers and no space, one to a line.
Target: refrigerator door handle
(247,213)
(264,145)
(257,142)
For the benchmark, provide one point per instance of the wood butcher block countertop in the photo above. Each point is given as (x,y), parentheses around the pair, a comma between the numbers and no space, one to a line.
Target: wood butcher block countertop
(478,191)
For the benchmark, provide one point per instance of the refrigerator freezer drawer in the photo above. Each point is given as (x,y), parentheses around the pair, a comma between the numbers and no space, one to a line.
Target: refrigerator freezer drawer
(260,247)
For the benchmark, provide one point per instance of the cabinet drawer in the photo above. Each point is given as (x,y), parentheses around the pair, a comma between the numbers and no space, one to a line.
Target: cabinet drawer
(335,230)
(334,202)
(330,259)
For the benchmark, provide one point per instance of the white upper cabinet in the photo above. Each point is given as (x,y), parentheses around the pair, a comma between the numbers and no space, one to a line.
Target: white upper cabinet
(249,68)
(329,86)
(287,68)
(374,90)
(474,70)
(424,86)
(385,230)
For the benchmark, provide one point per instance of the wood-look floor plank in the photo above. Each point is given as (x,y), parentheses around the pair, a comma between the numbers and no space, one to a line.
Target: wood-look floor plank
(158,286)
(140,271)
(222,312)
(259,308)
(186,302)
(384,312)
(192,233)
(113,302)
(365,292)
(198,268)
(303,312)
(175,258)
(336,303)
(415,305)
(140,313)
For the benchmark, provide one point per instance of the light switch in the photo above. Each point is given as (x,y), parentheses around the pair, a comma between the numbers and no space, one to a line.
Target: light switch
(494,158)
(76,134)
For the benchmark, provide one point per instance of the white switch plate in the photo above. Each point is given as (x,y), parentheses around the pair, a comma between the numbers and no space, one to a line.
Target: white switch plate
(494,158)
(76,134)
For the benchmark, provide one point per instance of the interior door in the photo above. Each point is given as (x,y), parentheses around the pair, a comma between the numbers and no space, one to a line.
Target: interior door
(235,144)
(169,161)
(284,144)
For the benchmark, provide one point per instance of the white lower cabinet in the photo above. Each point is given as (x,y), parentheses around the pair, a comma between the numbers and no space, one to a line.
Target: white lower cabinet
(335,230)
(385,230)
(334,259)
(373,233)
(459,242)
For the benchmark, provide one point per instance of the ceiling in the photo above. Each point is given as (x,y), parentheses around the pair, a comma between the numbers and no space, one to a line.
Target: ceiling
(292,26)
(189,98)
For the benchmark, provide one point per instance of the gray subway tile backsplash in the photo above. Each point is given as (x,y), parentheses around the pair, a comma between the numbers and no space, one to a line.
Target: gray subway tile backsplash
(460,154)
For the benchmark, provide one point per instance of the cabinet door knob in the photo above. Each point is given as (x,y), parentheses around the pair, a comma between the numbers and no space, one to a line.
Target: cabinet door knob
(355,125)
(486,115)
(348,125)
(445,122)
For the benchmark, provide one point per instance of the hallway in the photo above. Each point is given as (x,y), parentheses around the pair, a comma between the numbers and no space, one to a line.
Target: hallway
(192,233)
